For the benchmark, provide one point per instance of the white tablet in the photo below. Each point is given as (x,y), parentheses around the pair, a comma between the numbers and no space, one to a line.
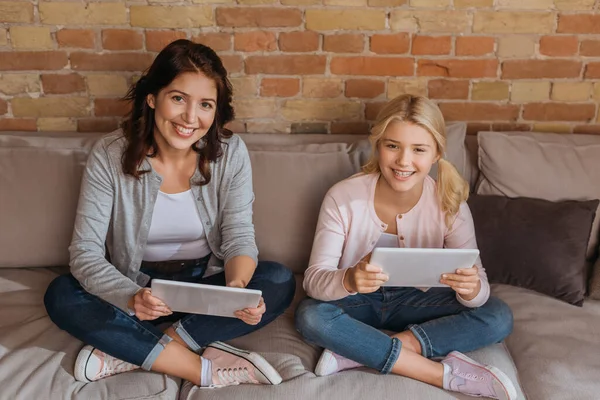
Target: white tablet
(196,298)
(421,267)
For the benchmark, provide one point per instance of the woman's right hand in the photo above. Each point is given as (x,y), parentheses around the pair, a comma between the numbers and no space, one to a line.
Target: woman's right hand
(364,278)
(148,307)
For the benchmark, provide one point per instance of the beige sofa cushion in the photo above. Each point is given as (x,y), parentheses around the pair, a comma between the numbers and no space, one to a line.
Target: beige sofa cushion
(545,166)
(37,358)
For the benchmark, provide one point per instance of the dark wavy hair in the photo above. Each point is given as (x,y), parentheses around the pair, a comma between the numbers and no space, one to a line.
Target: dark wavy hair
(138,127)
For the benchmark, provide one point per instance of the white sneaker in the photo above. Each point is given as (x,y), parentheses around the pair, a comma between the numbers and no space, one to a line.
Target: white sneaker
(93,364)
(464,375)
(330,363)
(232,366)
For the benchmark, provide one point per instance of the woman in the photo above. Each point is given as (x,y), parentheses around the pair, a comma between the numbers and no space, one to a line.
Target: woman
(395,203)
(170,195)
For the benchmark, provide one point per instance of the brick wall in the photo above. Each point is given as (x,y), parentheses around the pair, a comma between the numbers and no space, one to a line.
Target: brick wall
(311,65)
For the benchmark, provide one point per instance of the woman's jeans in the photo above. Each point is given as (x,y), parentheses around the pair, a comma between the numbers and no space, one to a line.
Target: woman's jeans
(351,326)
(113,331)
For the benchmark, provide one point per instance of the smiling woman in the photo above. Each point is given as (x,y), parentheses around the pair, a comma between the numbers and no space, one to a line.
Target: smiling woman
(170,197)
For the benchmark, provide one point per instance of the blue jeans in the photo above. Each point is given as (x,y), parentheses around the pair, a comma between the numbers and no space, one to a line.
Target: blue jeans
(351,326)
(113,331)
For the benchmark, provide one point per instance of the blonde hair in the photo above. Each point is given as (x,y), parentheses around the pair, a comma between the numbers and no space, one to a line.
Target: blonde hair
(452,189)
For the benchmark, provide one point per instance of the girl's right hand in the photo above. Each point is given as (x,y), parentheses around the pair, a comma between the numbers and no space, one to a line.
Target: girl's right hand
(148,307)
(364,278)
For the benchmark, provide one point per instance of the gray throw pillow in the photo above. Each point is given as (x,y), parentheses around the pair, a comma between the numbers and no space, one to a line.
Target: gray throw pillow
(535,244)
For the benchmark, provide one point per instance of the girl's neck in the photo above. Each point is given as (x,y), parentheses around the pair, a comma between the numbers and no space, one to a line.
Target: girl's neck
(402,202)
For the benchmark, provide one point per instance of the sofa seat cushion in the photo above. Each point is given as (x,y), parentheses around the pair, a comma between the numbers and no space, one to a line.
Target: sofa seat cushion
(282,345)
(554,344)
(37,358)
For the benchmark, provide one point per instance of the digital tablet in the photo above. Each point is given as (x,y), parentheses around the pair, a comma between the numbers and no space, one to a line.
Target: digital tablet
(196,298)
(421,267)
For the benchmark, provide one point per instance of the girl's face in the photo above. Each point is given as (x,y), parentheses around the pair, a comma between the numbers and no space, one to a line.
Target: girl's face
(184,110)
(406,154)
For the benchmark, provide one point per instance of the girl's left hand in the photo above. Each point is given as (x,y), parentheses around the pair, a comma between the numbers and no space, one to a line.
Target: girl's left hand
(465,282)
(252,316)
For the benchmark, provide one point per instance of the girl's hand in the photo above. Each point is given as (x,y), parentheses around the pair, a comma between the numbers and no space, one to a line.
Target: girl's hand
(148,307)
(252,316)
(465,282)
(364,278)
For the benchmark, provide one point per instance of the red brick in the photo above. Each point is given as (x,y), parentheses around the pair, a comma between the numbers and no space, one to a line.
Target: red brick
(558,112)
(236,126)
(350,128)
(63,84)
(299,41)
(390,44)
(592,70)
(97,125)
(538,69)
(111,61)
(579,23)
(233,64)
(590,48)
(510,127)
(279,87)
(364,88)
(18,124)
(110,107)
(216,41)
(80,38)
(255,41)
(372,109)
(479,111)
(286,65)
(158,40)
(474,45)
(458,68)
(558,46)
(3,107)
(376,66)
(121,39)
(344,43)
(431,45)
(587,129)
(32,60)
(272,17)
(473,128)
(447,89)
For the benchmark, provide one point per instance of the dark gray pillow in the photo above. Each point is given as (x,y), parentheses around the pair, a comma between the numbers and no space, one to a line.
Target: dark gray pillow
(535,244)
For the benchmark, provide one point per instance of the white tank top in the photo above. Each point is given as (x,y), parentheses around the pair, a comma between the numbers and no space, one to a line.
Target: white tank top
(176,232)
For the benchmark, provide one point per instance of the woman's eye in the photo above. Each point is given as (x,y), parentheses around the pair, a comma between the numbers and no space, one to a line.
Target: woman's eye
(206,105)
(178,99)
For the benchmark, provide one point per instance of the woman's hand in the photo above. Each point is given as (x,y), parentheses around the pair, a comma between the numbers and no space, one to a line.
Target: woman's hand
(465,282)
(148,307)
(252,316)
(364,278)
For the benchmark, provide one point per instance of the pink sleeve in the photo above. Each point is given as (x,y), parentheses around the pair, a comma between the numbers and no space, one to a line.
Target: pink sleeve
(323,280)
(462,236)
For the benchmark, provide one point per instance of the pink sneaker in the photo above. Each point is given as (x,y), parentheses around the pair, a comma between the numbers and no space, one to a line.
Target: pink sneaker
(330,363)
(232,366)
(93,364)
(464,375)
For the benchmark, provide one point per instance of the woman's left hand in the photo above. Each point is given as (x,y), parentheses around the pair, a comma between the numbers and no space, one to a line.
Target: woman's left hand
(252,316)
(465,282)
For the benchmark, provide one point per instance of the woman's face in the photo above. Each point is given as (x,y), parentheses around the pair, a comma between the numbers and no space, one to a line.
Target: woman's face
(184,110)
(406,154)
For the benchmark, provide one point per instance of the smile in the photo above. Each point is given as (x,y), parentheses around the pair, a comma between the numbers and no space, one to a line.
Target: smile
(183,131)
(403,174)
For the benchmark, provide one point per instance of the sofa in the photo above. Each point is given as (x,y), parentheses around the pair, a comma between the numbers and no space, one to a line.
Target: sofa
(552,354)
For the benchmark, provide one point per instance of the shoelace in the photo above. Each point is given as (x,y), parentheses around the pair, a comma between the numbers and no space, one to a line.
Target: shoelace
(234,376)
(469,376)
(112,365)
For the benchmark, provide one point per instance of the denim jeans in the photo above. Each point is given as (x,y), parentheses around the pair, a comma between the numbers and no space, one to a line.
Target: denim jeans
(113,331)
(351,326)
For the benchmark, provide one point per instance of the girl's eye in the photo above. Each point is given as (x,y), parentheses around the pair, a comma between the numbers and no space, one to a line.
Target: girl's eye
(177,98)
(420,150)
(392,146)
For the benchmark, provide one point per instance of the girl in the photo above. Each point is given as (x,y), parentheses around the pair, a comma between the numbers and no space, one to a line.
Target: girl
(395,201)
(171,197)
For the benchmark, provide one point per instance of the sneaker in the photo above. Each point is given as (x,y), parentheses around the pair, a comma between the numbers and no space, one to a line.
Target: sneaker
(186,390)
(330,363)
(232,366)
(464,375)
(93,364)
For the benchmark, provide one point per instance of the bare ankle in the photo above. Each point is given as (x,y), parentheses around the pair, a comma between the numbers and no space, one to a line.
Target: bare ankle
(173,335)
(409,341)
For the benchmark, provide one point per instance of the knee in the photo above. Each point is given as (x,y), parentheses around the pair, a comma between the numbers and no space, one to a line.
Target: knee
(313,318)
(277,275)
(499,318)
(56,298)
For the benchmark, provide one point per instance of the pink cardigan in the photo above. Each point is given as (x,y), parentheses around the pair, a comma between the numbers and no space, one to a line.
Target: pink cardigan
(349,228)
